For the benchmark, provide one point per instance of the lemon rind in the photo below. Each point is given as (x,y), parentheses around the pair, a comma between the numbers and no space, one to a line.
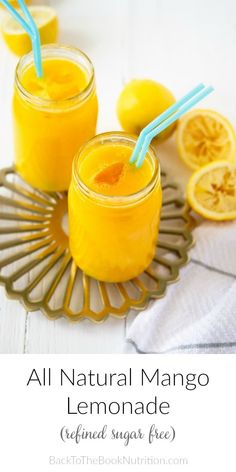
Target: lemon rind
(193,202)
(7,31)
(205,111)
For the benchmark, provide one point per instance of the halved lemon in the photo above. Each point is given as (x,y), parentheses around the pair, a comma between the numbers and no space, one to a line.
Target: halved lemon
(205,136)
(18,40)
(211,191)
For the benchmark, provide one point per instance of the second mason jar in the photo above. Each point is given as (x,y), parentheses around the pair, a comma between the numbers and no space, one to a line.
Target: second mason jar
(114,208)
(53,116)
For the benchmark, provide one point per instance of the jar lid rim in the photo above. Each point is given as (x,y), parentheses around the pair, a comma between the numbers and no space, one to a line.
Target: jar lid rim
(115,136)
(54,48)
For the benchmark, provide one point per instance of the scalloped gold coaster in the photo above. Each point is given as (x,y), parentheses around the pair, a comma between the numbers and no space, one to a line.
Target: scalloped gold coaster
(36,266)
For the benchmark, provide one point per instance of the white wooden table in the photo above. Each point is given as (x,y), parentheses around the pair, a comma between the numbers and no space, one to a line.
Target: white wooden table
(178,43)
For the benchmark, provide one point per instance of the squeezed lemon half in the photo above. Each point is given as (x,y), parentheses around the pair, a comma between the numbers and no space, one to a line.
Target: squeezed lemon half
(16,37)
(205,136)
(211,191)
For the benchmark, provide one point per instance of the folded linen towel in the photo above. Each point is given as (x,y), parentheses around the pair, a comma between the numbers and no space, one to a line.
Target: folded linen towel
(198,313)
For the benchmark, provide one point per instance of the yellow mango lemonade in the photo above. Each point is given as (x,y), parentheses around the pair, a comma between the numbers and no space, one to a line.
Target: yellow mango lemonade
(53,115)
(114,209)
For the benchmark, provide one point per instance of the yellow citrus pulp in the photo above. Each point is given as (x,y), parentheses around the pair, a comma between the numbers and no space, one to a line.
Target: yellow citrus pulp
(211,191)
(16,37)
(204,136)
(114,223)
(51,122)
(140,102)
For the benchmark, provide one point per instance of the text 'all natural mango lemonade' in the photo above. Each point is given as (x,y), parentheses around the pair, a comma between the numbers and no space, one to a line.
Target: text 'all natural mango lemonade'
(53,115)
(114,209)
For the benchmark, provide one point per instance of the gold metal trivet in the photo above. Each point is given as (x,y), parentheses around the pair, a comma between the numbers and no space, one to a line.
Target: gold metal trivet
(36,266)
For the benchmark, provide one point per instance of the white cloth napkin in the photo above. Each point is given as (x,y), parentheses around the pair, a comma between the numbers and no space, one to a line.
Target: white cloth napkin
(198,313)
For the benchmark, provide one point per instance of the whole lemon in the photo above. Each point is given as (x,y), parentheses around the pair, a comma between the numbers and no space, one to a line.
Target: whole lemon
(140,102)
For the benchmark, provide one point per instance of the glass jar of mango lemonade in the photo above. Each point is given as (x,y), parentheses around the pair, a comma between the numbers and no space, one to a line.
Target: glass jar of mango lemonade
(114,208)
(53,116)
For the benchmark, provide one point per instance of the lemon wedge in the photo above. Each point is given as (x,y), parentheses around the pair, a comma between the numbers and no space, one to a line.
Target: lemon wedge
(18,40)
(205,136)
(211,191)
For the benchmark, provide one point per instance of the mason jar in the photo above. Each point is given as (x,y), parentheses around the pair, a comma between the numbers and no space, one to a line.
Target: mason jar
(113,237)
(49,129)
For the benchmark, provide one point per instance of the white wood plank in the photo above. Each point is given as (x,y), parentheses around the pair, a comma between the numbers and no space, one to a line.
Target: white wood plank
(12,326)
(182,43)
(60,336)
(12,314)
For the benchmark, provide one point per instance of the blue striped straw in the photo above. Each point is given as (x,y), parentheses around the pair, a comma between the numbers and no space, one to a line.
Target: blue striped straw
(166,119)
(31,29)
